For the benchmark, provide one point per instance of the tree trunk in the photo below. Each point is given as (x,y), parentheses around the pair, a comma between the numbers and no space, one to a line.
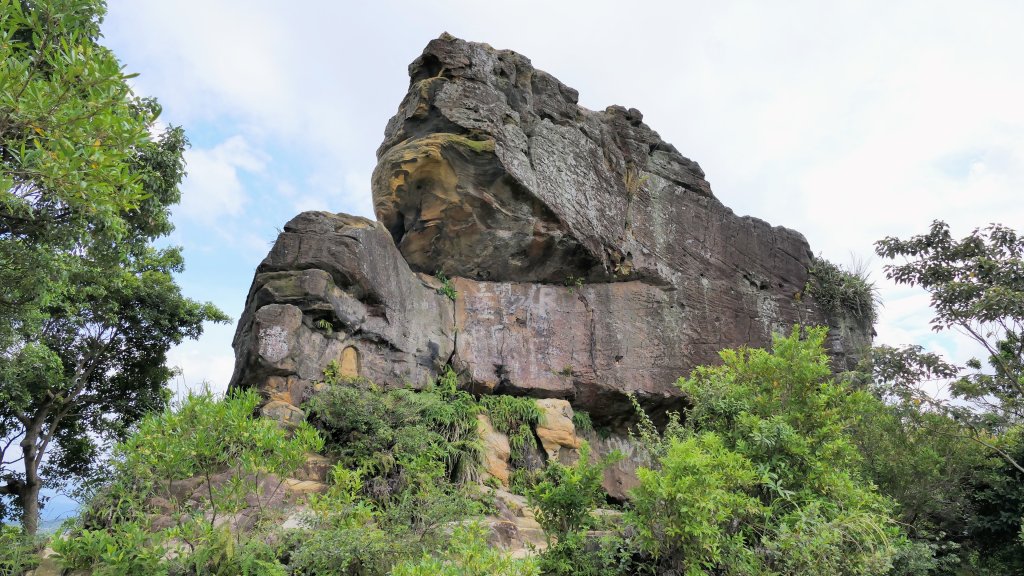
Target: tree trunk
(29,499)
(28,491)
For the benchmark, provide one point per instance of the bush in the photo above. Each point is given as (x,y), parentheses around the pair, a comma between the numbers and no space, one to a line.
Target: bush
(764,476)
(200,438)
(126,549)
(468,555)
(687,514)
(405,459)
(564,496)
(383,431)
(18,552)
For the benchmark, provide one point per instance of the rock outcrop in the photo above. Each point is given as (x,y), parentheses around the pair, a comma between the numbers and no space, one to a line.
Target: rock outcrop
(588,259)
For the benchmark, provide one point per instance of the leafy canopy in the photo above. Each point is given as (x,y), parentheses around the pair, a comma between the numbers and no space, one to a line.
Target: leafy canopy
(977,288)
(88,307)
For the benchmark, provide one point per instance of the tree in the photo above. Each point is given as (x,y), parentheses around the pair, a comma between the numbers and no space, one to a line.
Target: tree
(88,307)
(977,288)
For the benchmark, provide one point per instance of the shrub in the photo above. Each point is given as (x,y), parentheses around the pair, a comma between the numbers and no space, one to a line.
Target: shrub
(764,477)
(564,496)
(405,462)
(686,514)
(201,437)
(127,549)
(469,554)
(384,431)
(840,291)
(17,551)
(205,436)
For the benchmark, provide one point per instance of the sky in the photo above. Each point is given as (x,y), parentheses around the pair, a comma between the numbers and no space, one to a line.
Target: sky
(847,121)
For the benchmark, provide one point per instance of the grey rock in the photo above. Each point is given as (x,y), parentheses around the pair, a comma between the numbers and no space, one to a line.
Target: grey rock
(591,259)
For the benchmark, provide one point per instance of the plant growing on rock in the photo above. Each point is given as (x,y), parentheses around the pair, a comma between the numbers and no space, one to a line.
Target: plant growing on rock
(515,417)
(839,291)
(447,289)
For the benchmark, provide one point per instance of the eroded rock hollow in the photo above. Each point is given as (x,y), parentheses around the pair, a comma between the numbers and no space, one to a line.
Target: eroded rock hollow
(590,258)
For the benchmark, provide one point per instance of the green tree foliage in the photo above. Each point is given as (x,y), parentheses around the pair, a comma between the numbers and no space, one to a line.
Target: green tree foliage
(764,477)
(977,288)
(88,308)
(960,504)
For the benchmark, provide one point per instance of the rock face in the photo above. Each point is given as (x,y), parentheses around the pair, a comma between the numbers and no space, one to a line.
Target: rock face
(334,288)
(590,259)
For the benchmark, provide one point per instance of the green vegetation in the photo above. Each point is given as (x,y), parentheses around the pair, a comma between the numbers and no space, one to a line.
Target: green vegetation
(574,283)
(325,325)
(469,555)
(202,463)
(18,553)
(842,292)
(581,421)
(977,288)
(564,498)
(386,433)
(969,448)
(88,306)
(764,477)
(447,289)
(775,467)
(516,418)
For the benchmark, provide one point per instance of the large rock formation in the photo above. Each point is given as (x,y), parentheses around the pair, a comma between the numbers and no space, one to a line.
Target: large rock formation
(590,258)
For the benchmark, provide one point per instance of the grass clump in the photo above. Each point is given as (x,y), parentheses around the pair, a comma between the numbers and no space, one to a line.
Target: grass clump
(840,291)
(582,422)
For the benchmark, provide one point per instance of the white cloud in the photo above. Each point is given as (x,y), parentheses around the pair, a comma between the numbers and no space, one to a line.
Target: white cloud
(213,189)
(204,363)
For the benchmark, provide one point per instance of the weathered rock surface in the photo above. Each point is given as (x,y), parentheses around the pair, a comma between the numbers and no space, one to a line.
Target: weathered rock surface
(334,288)
(496,450)
(591,260)
(556,432)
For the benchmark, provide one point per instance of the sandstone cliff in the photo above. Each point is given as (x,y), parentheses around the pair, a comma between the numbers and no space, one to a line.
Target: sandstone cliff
(590,259)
